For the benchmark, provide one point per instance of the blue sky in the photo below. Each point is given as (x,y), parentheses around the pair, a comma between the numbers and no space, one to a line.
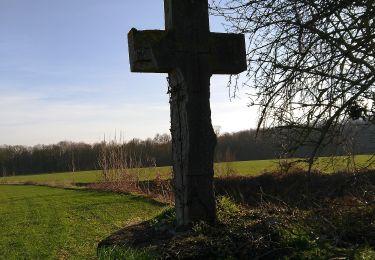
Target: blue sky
(64,74)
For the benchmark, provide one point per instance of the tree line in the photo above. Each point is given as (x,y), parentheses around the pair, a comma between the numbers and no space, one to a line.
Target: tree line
(237,146)
(78,156)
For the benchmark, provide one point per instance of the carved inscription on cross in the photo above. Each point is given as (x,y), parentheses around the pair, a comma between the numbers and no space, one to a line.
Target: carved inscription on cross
(190,54)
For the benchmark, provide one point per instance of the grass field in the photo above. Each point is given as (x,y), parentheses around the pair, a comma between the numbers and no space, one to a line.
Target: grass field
(245,168)
(67,178)
(53,223)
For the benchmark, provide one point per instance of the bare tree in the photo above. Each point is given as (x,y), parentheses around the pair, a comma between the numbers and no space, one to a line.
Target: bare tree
(311,64)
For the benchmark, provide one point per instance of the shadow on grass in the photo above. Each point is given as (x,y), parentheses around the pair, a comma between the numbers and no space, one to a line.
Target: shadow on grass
(272,216)
(300,189)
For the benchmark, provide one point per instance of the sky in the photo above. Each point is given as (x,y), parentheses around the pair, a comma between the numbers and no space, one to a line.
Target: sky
(64,74)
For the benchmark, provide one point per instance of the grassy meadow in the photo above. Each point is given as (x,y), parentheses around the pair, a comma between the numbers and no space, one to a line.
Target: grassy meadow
(67,222)
(54,223)
(244,168)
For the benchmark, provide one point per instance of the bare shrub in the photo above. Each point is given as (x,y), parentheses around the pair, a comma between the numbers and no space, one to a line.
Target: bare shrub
(126,170)
(286,166)
(225,170)
(119,165)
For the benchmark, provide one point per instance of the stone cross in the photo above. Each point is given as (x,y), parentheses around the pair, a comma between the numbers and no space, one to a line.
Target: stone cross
(190,54)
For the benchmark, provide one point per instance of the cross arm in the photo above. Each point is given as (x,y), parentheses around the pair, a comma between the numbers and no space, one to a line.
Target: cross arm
(149,51)
(155,51)
(227,53)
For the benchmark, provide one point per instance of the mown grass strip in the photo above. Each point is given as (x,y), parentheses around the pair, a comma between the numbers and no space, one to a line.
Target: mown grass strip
(53,223)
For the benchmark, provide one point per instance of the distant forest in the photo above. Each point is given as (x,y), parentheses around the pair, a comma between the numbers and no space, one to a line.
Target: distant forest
(238,146)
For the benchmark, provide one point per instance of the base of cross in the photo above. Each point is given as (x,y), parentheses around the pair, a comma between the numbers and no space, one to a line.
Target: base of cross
(156,237)
(197,203)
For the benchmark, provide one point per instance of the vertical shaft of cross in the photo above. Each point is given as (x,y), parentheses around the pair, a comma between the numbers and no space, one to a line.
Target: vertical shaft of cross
(193,138)
(193,143)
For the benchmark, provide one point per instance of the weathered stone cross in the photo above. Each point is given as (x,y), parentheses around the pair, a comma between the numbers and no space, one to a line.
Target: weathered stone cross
(190,54)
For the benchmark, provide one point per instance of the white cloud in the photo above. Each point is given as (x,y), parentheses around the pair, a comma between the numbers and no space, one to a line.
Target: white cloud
(34,117)
(29,120)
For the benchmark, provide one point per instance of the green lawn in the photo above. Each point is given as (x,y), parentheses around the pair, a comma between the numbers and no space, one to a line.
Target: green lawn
(55,178)
(324,164)
(67,178)
(245,168)
(54,223)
